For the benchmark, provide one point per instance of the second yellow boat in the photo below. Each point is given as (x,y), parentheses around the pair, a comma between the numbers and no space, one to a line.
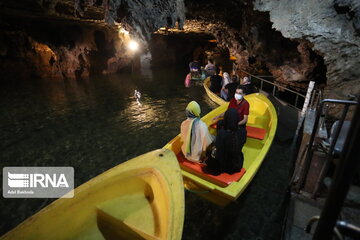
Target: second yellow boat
(261,126)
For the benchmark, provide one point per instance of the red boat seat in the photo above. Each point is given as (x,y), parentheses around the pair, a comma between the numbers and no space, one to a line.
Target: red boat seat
(252,132)
(223,180)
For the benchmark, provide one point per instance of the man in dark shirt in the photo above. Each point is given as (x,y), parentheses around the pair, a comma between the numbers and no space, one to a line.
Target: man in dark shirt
(215,82)
(230,89)
(248,86)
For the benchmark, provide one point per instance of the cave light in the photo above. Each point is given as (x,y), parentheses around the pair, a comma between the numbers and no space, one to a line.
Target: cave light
(123,31)
(133,45)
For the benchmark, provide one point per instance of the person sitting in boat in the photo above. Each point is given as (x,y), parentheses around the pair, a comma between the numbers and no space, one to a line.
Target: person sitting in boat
(241,105)
(230,89)
(248,85)
(229,142)
(194,66)
(226,80)
(215,82)
(210,68)
(194,134)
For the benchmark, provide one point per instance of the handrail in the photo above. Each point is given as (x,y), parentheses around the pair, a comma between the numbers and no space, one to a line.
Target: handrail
(317,218)
(345,172)
(307,161)
(263,76)
(276,85)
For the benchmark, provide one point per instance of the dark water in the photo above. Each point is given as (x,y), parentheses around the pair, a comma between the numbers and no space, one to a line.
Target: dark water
(96,124)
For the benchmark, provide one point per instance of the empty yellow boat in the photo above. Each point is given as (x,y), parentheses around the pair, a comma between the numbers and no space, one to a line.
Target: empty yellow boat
(142,198)
(222,189)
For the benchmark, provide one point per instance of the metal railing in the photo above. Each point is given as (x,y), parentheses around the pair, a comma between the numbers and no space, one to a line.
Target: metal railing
(274,86)
(329,154)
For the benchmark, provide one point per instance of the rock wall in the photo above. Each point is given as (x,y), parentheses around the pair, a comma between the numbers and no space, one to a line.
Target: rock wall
(60,39)
(332,27)
(258,47)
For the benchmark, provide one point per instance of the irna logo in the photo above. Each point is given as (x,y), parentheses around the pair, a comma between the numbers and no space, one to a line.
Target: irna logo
(20,180)
(38,182)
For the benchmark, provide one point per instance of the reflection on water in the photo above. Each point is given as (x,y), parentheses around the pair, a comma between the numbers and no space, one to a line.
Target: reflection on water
(91,125)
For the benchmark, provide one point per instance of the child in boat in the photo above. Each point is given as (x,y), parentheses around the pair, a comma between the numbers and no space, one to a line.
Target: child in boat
(194,134)
(229,142)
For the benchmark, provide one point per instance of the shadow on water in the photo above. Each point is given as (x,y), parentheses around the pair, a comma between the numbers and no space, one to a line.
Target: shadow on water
(93,125)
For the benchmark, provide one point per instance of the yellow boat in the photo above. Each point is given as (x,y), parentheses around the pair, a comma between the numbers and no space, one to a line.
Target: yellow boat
(142,198)
(212,95)
(222,189)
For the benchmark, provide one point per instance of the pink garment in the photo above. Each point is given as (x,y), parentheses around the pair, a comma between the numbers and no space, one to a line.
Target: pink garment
(188,80)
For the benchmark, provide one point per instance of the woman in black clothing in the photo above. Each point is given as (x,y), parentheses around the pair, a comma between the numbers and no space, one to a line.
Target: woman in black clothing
(229,143)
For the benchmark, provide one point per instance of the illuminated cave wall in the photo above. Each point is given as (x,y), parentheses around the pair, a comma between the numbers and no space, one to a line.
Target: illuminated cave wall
(71,39)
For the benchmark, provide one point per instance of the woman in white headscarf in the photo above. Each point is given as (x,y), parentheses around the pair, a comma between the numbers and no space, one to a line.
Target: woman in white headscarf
(226,80)
(194,134)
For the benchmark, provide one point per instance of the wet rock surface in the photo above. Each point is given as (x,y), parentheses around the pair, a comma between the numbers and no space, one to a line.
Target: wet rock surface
(72,39)
(258,48)
(333,30)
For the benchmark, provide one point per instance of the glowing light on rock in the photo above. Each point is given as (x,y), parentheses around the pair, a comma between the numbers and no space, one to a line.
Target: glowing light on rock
(123,31)
(133,45)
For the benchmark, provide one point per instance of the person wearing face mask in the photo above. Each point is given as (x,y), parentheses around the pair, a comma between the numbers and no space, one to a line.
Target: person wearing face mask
(194,134)
(230,88)
(241,105)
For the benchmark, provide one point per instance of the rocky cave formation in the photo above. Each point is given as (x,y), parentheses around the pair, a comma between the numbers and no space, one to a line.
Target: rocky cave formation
(295,41)
(332,29)
(60,39)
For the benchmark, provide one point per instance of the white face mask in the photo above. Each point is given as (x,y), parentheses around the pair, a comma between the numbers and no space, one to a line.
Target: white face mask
(238,96)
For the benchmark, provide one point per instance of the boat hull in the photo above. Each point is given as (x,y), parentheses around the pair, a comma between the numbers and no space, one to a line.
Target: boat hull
(262,115)
(142,198)
(215,98)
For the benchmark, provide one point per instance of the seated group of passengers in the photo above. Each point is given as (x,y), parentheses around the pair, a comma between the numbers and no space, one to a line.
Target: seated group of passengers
(195,67)
(224,86)
(198,71)
(231,136)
